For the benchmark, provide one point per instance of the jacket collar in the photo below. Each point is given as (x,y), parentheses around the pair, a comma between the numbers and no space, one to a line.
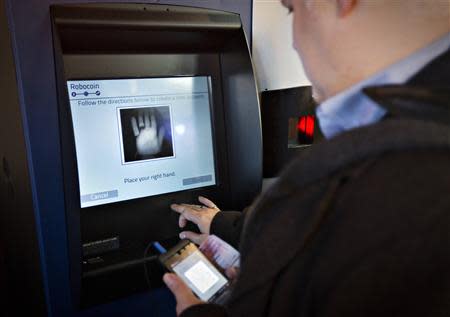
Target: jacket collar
(413,102)
(426,96)
(435,74)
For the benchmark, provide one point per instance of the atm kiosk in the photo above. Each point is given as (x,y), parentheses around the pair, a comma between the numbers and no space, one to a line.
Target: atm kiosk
(157,104)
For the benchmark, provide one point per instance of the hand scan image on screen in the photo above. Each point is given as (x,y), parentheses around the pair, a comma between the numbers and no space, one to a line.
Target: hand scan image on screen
(141,137)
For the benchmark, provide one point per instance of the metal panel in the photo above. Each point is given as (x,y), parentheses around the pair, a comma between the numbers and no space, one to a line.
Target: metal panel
(240,94)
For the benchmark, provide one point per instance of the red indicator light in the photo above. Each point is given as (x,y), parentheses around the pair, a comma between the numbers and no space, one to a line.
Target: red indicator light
(301,126)
(306,125)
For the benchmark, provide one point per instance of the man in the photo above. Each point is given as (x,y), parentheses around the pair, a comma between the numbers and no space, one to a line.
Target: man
(358,225)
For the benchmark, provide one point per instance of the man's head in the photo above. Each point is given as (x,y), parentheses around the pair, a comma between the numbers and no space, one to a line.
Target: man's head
(342,42)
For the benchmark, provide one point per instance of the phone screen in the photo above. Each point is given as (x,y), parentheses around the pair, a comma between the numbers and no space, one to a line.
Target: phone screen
(197,272)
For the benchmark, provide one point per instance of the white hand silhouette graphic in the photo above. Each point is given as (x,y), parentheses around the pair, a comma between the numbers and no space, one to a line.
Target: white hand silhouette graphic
(148,138)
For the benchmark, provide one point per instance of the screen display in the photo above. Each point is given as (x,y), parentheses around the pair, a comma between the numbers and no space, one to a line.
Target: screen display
(199,274)
(141,137)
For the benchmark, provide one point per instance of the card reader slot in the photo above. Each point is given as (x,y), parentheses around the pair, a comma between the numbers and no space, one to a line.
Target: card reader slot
(118,267)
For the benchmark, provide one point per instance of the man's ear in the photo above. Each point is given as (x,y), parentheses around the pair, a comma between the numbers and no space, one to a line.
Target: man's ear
(345,7)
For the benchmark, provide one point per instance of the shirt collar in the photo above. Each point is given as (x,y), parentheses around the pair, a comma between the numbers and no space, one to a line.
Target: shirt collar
(352,109)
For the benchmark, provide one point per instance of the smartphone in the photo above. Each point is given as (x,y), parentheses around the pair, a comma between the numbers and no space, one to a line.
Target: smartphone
(192,266)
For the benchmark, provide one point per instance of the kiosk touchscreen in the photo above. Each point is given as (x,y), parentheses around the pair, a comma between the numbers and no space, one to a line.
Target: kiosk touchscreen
(141,137)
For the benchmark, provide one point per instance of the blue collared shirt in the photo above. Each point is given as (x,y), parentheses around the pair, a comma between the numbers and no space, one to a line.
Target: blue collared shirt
(352,108)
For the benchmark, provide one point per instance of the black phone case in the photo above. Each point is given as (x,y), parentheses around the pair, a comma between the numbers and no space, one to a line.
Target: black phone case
(171,252)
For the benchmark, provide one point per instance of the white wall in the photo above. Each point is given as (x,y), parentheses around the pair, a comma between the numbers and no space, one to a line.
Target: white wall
(277,63)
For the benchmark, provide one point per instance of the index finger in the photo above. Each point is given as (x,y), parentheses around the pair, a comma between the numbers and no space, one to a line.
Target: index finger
(147,120)
(153,121)
(187,211)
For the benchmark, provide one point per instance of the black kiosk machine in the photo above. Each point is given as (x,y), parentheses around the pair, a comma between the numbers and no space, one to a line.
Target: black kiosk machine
(157,104)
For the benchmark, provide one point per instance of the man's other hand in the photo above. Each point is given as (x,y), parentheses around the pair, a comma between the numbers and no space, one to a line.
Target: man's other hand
(201,215)
(183,295)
